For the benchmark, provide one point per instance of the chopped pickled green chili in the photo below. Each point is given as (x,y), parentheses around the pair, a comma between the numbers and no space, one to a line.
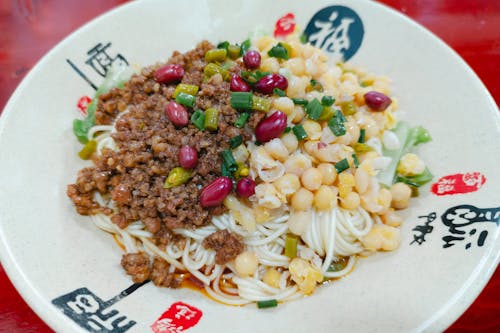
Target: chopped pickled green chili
(291,242)
(336,124)
(260,103)
(211,69)
(177,176)
(278,51)
(242,119)
(235,141)
(355,160)
(189,89)
(245,46)
(342,165)
(233,51)
(300,101)
(314,109)
(88,150)
(198,119)
(349,108)
(327,100)
(362,133)
(228,161)
(211,119)
(299,132)
(361,148)
(279,92)
(272,303)
(327,113)
(241,100)
(185,99)
(216,55)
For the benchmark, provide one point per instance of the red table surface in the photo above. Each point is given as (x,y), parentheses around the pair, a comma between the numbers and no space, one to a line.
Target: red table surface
(30,28)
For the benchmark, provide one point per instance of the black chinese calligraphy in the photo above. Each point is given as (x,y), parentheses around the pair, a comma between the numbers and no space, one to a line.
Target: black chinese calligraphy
(92,313)
(422,230)
(459,218)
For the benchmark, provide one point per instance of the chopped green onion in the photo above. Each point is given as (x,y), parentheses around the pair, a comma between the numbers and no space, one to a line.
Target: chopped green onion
(361,148)
(279,92)
(189,89)
(88,150)
(355,160)
(291,242)
(362,133)
(314,85)
(287,129)
(341,165)
(260,103)
(223,45)
(303,39)
(224,170)
(278,51)
(211,119)
(216,55)
(198,119)
(314,109)
(235,141)
(349,108)
(242,119)
(245,46)
(185,99)
(417,180)
(233,51)
(272,303)
(299,132)
(177,176)
(336,124)
(241,100)
(300,101)
(228,161)
(327,100)
(327,113)
(212,69)
(249,77)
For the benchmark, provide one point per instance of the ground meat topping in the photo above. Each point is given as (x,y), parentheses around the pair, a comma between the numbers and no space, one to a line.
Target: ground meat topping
(137,265)
(162,276)
(227,245)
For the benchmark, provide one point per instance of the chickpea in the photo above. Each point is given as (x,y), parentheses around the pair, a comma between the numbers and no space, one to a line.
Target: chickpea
(325,197)
(392,218)
(311,179)
(401,194)
(302,199)
(299,221)
(246,263)
(328,173)
(351,201)
(272,277)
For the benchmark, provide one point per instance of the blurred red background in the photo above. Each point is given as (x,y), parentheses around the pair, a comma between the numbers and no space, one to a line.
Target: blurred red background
(30,28)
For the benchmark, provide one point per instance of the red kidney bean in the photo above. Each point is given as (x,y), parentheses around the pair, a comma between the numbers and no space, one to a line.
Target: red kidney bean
(267,84)
(238,84)
(245,187)
(252,59)
(271,127)
(377,101)
(214,193)
(177,114)
(169,73)
(188,157)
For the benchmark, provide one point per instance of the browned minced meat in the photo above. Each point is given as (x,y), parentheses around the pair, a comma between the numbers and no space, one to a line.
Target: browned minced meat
(148,147)
(137,265)
(227,245)
(161,276)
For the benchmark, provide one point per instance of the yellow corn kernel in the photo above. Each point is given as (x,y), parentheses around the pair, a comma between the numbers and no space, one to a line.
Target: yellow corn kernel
(276,149)
(272,278)
(284,104)
(270,64)
(305,275)
(381,237)
(410,165)
(297,86)
(296,66)
(297,164)
(392,218)
(346,182)
(298,114)
(290,141)
(313,129)
(287,184)
(265,42)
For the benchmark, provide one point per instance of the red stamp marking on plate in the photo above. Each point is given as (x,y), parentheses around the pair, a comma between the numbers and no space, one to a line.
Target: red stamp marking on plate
(83,103)
(285,25)
(458,183)
(178,318)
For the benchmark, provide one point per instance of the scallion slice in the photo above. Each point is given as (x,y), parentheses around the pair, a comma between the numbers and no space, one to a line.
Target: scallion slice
(185,99)
(355,160)
(314,109)
(223,45)
(241,100)
(299,132)
(341,165)
(229,161)
(362,133)
(233,51)
(300,101)
(278,51)
(287,129)
(245,46)
(336,124)
(235,141)
(327,100)
(198,119)
(327,113)
(272,303)
(279,92)
(242,119)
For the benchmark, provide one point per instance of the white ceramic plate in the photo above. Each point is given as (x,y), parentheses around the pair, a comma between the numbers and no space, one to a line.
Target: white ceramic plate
(49,251)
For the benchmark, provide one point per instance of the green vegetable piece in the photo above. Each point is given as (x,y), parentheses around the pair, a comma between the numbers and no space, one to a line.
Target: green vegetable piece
(233,51)
(272,303)
(362,134)
(291,242)
(211,69)
(361,148)
(189,89)
(288,129)
(279,92)
(228,161)
(336,124)
(88,150)
(327,113)
(303,38)
(260,103)
(417,180)
(355,160)
(299,132)
(177,176)
(338,265)
(223,45)
(349,108)
(300,101)
(242,119)
(245,46)
(341,165)
(314,86)
(211,119)
(314,109)
(185,99)
(327,100)
(278,51)
(235,141)
(241,100)
(198,119)
(216,55)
